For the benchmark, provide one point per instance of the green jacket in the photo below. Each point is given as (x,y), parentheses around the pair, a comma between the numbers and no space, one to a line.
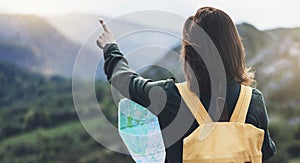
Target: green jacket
(163,99)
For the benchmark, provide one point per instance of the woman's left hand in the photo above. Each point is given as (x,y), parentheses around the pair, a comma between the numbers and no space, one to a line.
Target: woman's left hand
(106,36)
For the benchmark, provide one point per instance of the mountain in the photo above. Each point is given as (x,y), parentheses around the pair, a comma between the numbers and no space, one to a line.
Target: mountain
(274,54)
(49,45)
(31,42)
(254,40)
(277,64)
(19,54)
(120,26)
(136,37)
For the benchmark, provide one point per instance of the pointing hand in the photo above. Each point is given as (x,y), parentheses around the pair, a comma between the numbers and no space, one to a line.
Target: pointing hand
(106,36)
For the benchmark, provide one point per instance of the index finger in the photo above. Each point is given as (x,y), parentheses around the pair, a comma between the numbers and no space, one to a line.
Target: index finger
(103,25)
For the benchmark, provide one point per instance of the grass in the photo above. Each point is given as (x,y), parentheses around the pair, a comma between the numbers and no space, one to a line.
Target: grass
(43,145)
(295,160)
(69,142)
(31,137)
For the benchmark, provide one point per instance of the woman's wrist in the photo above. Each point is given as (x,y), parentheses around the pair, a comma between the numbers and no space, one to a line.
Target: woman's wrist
(108,46)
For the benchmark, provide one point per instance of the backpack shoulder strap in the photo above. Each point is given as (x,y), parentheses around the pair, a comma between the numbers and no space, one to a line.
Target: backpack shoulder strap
(193,103)
(241,108)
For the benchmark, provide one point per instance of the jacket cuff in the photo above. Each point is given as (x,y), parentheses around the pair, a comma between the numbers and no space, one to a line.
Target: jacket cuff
(108,48)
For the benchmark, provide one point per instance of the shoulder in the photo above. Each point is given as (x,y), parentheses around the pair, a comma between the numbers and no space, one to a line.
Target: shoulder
(257,113)
(257,103)
(256,94)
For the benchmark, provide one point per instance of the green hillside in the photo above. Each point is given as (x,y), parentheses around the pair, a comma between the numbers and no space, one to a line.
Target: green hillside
(38,122)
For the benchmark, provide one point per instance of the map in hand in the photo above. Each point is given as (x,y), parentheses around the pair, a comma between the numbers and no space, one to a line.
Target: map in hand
(140,131)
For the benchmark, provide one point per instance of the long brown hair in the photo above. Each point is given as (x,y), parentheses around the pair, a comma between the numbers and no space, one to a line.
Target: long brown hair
(223,32)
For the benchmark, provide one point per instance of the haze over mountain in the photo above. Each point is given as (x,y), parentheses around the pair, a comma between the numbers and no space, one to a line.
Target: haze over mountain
(136,36)
(50,45)
(274,54)
(30,42)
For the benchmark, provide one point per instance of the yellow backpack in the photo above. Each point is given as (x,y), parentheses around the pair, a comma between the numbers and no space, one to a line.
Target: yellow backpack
(221,142)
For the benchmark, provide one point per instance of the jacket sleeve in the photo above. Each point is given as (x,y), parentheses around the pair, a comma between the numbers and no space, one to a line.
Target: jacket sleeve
(259,117)
(146,92)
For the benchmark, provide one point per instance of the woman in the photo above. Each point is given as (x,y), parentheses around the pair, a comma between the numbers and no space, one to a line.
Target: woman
(223,33)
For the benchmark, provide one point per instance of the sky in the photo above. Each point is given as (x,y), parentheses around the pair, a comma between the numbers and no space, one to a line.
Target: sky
(264,14)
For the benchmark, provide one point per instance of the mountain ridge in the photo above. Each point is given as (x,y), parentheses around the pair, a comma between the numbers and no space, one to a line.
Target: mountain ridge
(51,53)
(274,53)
